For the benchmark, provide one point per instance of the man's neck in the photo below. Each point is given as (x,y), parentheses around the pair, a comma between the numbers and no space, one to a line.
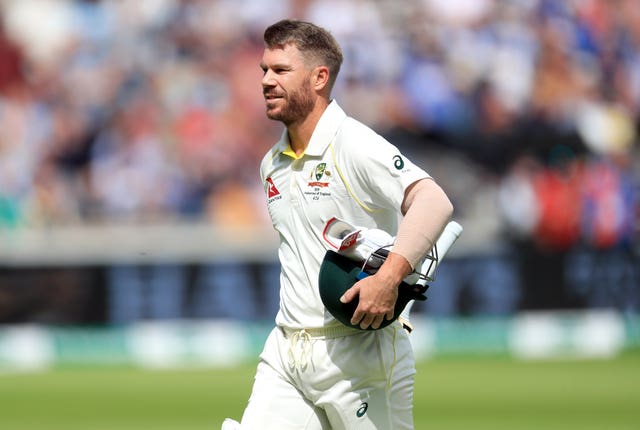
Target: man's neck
(300,133)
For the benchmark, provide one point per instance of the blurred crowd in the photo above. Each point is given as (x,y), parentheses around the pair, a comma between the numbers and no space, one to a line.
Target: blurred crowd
(526,111)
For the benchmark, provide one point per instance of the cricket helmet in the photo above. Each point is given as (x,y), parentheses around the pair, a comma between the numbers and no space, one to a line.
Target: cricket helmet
(355,252)
(338,273)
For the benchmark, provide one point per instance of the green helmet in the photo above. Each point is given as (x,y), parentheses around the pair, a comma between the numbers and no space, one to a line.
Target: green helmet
(338,273)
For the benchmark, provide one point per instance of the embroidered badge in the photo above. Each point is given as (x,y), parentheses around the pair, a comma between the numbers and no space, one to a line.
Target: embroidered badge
(318,173)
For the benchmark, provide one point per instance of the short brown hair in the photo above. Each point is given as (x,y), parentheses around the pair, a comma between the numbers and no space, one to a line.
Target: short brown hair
(314,42)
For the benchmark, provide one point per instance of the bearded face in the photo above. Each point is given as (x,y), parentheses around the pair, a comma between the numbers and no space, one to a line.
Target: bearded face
(286,85)
(292,106)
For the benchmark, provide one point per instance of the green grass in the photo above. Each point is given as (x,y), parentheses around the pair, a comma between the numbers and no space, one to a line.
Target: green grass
(451,394)
(505,394)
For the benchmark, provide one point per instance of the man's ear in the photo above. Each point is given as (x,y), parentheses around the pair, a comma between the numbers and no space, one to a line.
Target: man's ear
(320,78)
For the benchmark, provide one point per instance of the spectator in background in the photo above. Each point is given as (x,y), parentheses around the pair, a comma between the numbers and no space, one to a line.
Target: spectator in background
(491,68)
(96,91)
(12,65)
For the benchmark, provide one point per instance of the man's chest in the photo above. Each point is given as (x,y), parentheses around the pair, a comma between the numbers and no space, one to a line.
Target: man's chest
(311,190)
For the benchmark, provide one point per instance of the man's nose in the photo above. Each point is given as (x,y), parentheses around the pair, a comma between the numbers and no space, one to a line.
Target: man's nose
(267,79)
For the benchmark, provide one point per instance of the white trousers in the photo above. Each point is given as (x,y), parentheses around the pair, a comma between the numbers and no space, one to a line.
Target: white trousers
(307,381)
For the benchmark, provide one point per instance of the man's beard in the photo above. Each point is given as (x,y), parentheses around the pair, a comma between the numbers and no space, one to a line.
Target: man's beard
(298,105)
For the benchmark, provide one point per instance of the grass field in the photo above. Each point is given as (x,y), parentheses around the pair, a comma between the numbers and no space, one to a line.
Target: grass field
(451,394)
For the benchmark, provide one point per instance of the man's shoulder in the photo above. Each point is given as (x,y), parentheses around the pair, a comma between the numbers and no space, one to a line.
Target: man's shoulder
(353,134)
(269,156)
(273,152)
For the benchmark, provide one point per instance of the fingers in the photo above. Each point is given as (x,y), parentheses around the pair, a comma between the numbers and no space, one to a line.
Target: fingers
(360,317)
(373,308)
(364,320)
(377,322)
(350,294)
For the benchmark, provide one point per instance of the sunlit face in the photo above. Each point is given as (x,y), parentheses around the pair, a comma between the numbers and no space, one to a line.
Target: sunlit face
(286,85)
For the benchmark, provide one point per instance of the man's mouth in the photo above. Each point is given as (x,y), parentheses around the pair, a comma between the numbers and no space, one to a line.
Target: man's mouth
(268,96)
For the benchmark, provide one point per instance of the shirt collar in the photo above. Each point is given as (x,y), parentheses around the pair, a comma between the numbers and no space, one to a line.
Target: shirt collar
(324,132)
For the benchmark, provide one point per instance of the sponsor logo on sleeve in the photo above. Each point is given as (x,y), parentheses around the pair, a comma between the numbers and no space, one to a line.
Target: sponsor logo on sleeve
(271,190)
(399,164)
(362,410)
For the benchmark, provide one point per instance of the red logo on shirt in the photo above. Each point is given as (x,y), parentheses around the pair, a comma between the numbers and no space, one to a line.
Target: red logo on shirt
(272,191)
(318,184)
(349,240)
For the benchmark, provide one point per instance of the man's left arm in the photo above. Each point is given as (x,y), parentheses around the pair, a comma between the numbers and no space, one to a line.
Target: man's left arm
(427,210)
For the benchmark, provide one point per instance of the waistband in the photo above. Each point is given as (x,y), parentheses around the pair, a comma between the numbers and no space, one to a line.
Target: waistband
(329,332)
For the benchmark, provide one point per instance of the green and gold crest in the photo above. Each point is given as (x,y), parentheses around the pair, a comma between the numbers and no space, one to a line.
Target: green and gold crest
(319,170)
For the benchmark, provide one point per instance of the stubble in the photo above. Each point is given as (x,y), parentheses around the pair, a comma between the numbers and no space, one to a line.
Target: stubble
(298,105)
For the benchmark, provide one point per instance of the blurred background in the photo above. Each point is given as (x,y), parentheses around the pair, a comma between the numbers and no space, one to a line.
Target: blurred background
(132,219)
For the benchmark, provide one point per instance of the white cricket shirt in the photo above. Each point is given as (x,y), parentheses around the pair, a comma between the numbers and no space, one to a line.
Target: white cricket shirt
(347,171)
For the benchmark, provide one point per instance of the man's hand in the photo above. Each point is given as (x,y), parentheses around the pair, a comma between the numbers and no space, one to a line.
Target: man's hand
(377,294)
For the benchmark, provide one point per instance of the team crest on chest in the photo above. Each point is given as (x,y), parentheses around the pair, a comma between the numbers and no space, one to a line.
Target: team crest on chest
(318,173)
(319,183)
